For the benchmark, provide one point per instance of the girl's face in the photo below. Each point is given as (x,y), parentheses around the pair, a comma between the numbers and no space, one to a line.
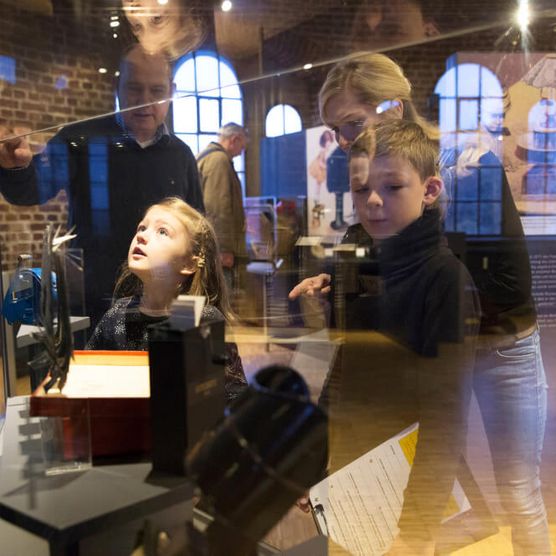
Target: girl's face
(159,250)
(347,116)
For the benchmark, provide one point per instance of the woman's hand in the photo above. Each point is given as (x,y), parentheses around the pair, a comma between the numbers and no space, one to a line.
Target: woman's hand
(312,287)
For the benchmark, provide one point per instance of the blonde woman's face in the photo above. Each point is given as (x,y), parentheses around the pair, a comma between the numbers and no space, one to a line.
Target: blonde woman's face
(347,117)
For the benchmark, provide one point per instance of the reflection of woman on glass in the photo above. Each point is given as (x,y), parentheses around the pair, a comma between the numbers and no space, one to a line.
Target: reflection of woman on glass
(317,170)
(173,28)
(509,377)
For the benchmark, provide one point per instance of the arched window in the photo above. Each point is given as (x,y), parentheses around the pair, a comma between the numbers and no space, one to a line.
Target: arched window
(281,120)
(471,116)
(207,96)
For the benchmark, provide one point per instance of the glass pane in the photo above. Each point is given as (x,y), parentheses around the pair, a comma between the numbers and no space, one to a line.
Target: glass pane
(204,140)
(448,113)
(274,123)
(232,111)
(292,120)
(239,163)
(207,76)
(190,140)
(185,77)
(209,115)
(490,86)
(228,82)
(468,114)
(468,80)
(185,115)
(446,86)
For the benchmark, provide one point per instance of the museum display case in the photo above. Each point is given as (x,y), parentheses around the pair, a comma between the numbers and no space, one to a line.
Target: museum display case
(104,107)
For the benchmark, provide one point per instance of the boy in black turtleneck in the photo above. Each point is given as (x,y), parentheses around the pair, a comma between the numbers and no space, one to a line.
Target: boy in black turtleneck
(421,300)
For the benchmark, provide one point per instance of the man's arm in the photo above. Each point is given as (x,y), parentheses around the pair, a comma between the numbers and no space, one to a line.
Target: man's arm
(30,180)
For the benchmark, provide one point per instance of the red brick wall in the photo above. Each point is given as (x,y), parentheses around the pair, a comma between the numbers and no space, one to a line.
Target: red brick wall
(57,81)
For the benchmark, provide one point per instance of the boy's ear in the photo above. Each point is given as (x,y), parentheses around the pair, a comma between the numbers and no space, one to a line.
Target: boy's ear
(433,188)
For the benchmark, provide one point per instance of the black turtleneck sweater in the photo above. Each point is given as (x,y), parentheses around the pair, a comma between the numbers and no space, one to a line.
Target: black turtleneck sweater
(420,300)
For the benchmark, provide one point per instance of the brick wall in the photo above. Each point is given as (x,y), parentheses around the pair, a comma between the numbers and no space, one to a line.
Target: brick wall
(56,82)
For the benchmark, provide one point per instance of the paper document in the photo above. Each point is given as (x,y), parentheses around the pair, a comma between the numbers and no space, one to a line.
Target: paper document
(359,506)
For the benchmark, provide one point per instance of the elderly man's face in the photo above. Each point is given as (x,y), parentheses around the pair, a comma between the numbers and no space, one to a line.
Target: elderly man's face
(144,80)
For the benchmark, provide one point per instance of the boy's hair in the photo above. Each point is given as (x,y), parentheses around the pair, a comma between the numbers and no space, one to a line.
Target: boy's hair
(400,138)
(372,78)
(405,139)
(208,278)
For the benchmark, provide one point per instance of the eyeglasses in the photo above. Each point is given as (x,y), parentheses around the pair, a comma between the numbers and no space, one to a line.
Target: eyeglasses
(350,130)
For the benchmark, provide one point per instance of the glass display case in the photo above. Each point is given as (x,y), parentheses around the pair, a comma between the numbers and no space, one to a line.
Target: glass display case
(106,105)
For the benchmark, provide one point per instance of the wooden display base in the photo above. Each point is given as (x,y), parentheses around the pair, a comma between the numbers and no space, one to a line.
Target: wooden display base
(112,387)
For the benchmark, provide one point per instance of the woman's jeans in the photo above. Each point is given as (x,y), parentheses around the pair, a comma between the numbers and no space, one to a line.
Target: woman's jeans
(510,385)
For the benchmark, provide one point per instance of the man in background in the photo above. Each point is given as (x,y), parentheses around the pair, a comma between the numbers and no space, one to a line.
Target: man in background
(223,197)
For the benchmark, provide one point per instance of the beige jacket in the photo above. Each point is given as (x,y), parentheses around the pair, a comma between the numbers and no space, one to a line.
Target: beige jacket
(223,199)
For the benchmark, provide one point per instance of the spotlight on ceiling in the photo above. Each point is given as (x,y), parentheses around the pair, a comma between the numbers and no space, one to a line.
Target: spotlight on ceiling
(226,6)
(523,15)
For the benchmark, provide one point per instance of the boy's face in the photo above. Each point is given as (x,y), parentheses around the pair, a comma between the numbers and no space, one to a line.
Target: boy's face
(388,194)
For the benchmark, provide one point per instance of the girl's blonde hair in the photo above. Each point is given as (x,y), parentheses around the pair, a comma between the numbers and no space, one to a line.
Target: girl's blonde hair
(373,78)
(208,278)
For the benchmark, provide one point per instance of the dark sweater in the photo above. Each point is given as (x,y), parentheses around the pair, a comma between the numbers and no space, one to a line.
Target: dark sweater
(110,181)
(482,206)
(421,300)
(124,327)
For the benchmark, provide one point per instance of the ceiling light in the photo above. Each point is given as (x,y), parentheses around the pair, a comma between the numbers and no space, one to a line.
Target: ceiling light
(102,70)
(117,73)
(307,66)
(226,6)
(523,14)
(114,23)
(114,18)
(163,2)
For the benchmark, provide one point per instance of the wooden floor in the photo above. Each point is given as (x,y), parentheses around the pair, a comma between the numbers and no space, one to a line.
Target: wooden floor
(258,351)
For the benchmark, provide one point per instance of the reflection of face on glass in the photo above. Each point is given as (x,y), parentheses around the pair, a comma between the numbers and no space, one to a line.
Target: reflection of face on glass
(388,194)
(159,249)
(380,23)
(492,116)
(144,79)
(347,117)
(169,28)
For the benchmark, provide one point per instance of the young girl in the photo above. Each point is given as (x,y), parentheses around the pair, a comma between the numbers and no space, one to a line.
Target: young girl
(173,252)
